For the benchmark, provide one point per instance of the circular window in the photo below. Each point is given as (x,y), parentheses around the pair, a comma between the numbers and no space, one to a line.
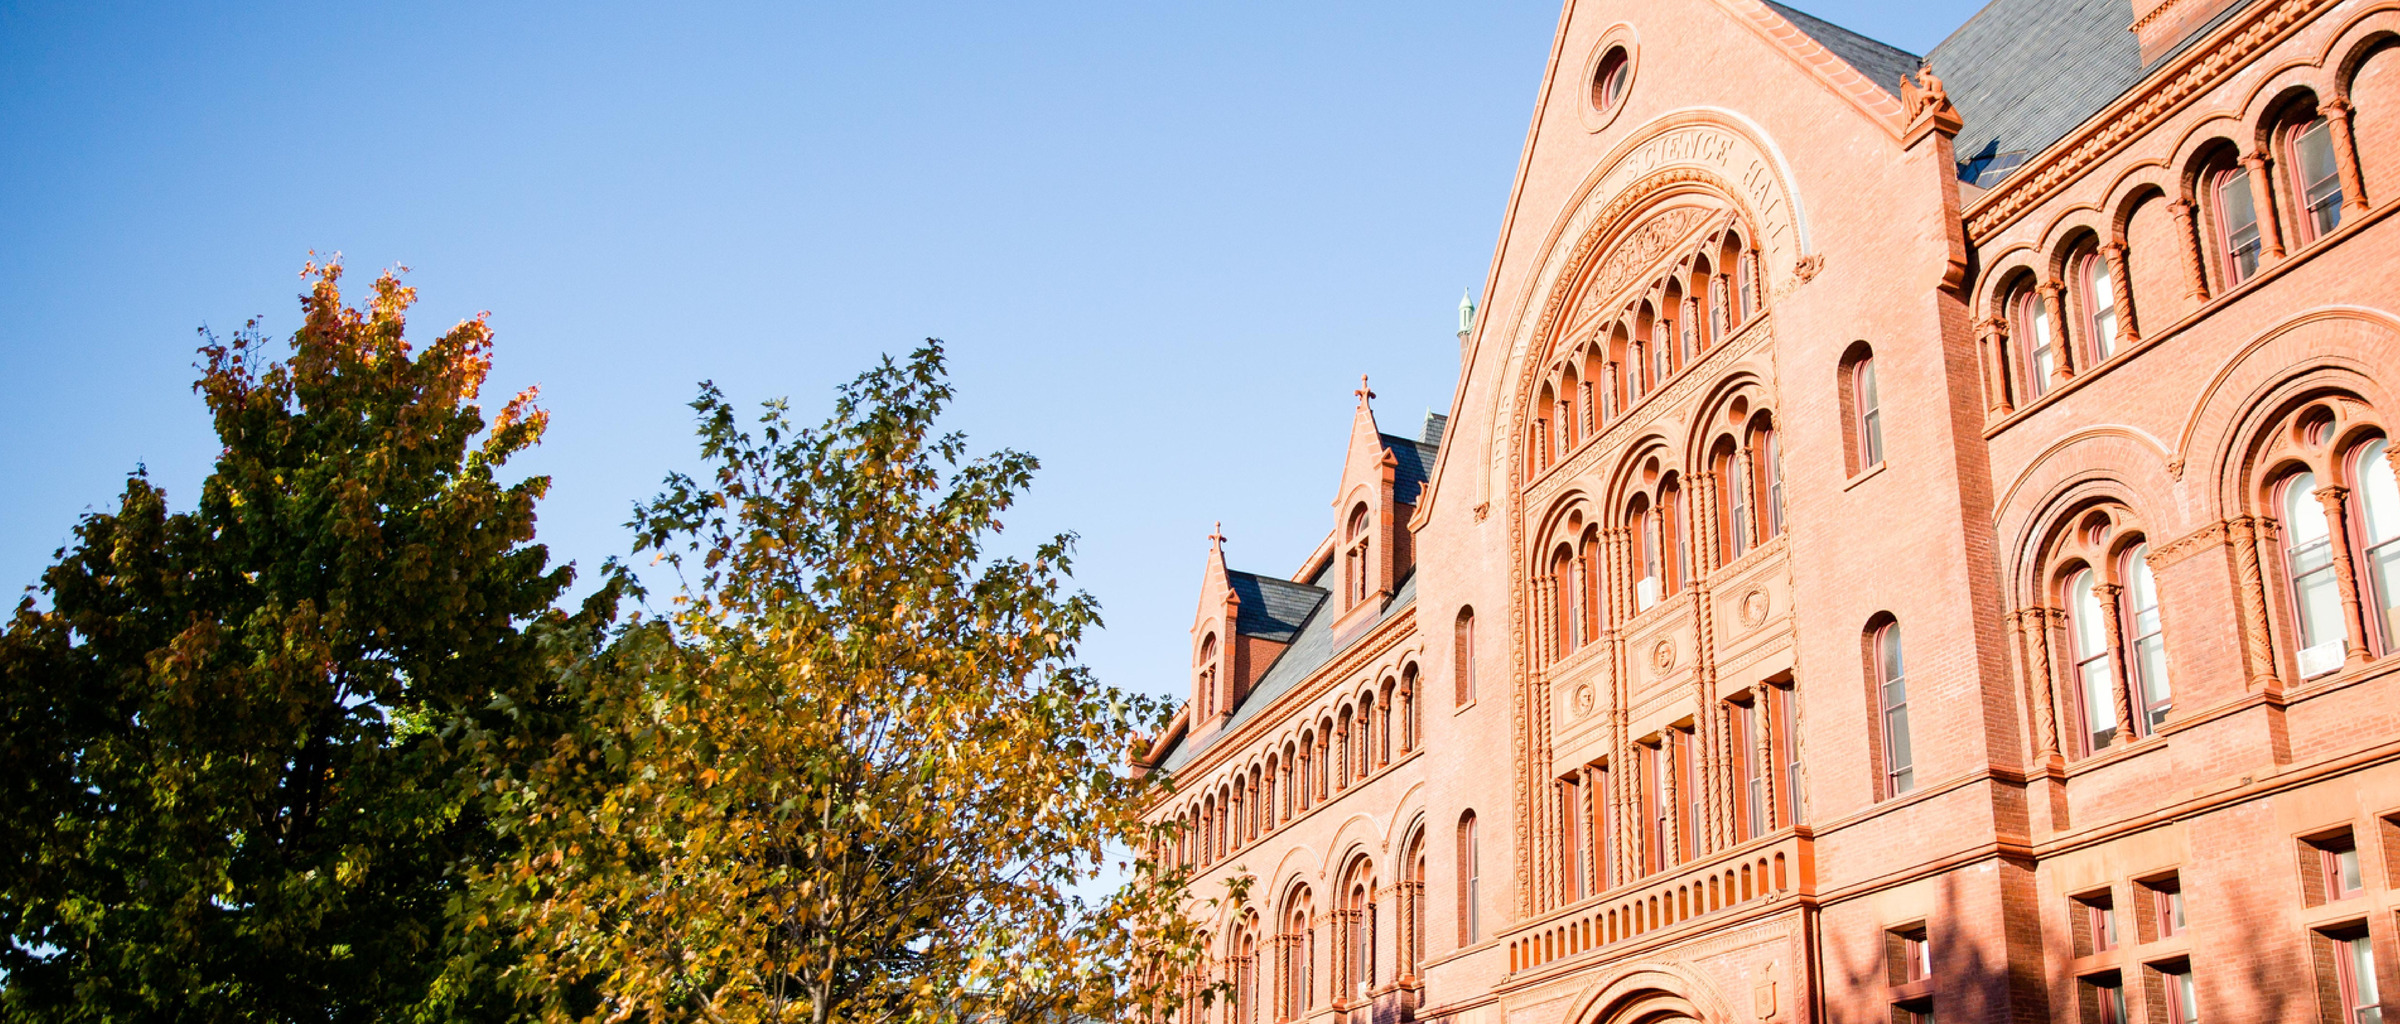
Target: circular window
(1608,84)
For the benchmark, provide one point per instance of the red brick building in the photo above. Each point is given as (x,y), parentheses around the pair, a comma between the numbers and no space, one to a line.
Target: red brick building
(1906,544)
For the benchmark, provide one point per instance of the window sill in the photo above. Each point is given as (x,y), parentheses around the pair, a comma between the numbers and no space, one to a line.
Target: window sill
(1462,708)
(1864,475)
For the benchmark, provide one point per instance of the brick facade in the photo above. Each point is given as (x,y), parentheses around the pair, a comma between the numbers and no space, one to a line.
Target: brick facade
(1891,587)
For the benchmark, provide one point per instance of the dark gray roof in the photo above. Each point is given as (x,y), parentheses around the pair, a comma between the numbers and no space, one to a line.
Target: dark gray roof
(1272,609)
(1310,650)
(1882,63)
(2024,73)
(1435,425)
(1416,466)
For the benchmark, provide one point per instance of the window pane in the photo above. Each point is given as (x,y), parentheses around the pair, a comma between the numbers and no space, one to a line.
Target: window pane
(2320,184)
(2099,702)
(2091,635)
(2378,494)
(2102,296)
(2240,223)
(2303,516)
(1891,665)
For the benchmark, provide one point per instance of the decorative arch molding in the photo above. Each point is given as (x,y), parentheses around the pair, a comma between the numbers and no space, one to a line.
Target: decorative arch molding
(2350,343)
(2037,535)
(2126,454)
(1652,993)
(1360,835)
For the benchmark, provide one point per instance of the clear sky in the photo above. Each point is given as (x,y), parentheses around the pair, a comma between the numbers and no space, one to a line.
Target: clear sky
(1161,240)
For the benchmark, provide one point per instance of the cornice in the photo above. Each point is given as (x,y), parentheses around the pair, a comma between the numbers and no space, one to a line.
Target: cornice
(2160,95)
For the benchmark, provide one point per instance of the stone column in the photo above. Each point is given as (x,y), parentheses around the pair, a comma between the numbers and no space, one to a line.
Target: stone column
(2345,573)
(2120,282)
(2119,677)
(2033,629)
(2258,649)
(2062,353)
(2345,155)
(2195,260)
(2262,191)
(1993,333)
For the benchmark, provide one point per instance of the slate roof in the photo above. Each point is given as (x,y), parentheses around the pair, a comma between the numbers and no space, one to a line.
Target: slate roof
(1882,63)
(2024,73)
(1272,609)
(1436,424)
(1416,466)
(1310,650)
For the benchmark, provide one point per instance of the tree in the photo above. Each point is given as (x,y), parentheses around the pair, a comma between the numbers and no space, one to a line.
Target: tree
(856,772)
(234,747)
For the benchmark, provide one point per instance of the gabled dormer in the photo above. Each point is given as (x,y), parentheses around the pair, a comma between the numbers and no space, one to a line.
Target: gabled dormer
(1372,549)
(1244,621)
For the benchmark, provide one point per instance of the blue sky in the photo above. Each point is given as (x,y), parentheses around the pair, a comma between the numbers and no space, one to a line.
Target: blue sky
(1162,241)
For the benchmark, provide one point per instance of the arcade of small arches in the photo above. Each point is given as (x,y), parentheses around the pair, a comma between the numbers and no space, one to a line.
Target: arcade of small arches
(1703,299)
(1306,952)
(2240,194)
(1354,736)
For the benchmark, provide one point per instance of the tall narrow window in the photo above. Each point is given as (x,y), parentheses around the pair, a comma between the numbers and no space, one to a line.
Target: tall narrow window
(1690,805)
(2096,688)
(1650,587)
(1750,782)
(1654,808)
(2379,521)
(1590,575)
(1769,475)
(1566,588)
(1783,755)
(1462,655)
(2237,224)
(2308,557)
(1205,687)
(1361,572)
(2032,323)
(2354,968)
(2182,1006)
(1571,838)
(1470,874)
(1604,825)
(2314,177)
(2147,653)
(1870,413)
(1670,518)
(2100,306)
(1891,685)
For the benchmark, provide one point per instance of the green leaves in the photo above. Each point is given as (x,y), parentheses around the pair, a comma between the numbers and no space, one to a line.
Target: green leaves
(235,782)
(856,774)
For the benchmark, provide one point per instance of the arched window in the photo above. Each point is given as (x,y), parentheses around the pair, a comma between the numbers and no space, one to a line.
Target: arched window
(2146,653)
(1357,571)
(2095,676)
(1589,573)
(2379,530)
(1462,655)
(1670,524)
(1867,424)
(1891,689)
(1470,883)
(1204,691)
(1296,954)
(2030,317)
(1568,424)
(2234,210)
(2099,294)
(1412,710)
(1720,312)
(1564,570)
(1412,910)
(2308,155)
(1243,1008)
(1768,474)
(2308,559)
(1357,953)
(1651,585)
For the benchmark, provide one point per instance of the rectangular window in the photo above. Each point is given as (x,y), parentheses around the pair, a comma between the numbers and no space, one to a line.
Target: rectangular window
(2096,929)
(2343,877)
(2175,986)
(1572,839)
(1596,790)
(2162,900)
(1783,754)
(1688,802)
(1654,811)
(2104,999)
(1891,682)
(1910,954)
(2346,975)
(1750,784)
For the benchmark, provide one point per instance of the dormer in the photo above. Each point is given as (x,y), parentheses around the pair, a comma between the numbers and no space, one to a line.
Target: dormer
(1372,550)
(1244,622)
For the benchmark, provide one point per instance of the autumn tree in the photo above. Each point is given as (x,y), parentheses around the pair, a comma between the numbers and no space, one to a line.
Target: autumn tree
(855,773)
(239,744)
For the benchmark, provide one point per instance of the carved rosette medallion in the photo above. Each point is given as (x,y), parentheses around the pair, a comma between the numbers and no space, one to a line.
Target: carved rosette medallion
(1662,654)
